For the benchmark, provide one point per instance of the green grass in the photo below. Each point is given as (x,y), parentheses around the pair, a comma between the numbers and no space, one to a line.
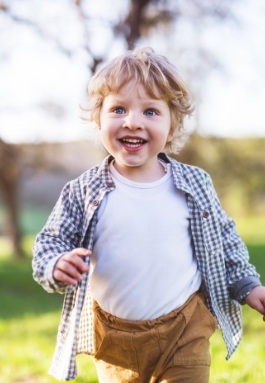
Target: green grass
(251,229)
(246,365)
(29,318)
(28,325)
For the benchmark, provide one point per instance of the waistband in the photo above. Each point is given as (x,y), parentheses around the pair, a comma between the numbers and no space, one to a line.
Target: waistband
(144,325)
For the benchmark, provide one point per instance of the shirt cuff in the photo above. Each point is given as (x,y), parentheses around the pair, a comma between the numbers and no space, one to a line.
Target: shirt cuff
(239,290)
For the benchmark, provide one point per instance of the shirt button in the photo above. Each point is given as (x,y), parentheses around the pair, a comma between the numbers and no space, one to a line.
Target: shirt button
(206,214)
(110,184)
(96,202)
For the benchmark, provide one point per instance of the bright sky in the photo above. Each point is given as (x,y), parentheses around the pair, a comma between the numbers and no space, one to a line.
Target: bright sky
(235,103)
(41,89)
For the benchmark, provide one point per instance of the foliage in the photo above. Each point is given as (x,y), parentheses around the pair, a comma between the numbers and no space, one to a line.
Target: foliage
(132,21)
(237,169)
(29,320)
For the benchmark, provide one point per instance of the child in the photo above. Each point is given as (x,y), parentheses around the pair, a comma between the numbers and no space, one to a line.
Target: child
(148,260)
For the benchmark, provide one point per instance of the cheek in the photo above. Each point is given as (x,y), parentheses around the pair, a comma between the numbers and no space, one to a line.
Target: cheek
(104,123)
(162,138)
(107,131)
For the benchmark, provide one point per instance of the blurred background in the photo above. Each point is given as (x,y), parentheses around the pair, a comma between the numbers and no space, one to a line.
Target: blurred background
(48,52)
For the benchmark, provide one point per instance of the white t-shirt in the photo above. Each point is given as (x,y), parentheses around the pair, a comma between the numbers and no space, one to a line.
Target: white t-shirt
(143,264)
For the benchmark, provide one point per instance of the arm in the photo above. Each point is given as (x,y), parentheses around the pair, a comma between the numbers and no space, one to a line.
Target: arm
(60,236)
(241,275)
(243,280)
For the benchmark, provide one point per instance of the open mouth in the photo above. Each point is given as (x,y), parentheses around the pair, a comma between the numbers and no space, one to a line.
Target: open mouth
(132,142)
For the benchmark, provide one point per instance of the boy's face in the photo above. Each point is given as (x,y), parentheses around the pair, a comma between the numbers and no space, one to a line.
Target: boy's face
(134,128)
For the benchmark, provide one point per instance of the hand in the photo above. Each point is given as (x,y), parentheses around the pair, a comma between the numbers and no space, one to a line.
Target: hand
(70,267)
(256,299)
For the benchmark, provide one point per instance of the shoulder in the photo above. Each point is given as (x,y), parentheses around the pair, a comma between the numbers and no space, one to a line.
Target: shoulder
(193,170)
(86,177)
(97,173)
(189,172)
(194,181)
(87,182)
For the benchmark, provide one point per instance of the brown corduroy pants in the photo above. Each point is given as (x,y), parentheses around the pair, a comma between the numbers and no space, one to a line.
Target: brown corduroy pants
(171,349)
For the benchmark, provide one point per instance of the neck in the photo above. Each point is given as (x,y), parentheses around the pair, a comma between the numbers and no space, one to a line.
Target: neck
(142,174)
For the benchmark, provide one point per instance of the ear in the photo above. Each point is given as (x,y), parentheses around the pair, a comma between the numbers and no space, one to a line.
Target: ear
(170,137)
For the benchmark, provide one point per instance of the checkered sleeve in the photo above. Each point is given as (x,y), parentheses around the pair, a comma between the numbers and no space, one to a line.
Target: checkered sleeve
(241,274)
(60,235)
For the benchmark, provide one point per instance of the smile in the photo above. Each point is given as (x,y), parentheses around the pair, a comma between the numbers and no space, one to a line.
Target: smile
(132,142)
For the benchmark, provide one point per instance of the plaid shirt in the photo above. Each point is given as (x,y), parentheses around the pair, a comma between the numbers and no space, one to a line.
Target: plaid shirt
(222,257)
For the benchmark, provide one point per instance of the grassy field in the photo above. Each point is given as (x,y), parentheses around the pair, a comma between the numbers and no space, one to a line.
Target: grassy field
(29,318)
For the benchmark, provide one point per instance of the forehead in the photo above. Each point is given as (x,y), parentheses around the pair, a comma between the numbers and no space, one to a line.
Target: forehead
(137,89)
(133,94)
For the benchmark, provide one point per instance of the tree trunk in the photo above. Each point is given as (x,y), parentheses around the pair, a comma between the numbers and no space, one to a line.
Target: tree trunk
(9,181)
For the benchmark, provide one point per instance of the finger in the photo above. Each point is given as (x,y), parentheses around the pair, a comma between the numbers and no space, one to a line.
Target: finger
(68,272)
(61,276)
(68,268)
(76,260)
(82,252)
(259,307)
(79,265)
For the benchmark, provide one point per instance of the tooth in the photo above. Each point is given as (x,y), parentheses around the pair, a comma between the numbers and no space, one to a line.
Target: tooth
(132,140)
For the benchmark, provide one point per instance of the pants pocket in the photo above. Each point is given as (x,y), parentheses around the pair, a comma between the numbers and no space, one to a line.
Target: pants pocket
(113,346)
(194,346)
(101,337)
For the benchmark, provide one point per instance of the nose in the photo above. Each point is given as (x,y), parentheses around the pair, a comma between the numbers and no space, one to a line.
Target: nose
(133,121)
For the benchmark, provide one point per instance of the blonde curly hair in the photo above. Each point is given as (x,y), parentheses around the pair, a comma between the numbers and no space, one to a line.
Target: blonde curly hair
(160,80)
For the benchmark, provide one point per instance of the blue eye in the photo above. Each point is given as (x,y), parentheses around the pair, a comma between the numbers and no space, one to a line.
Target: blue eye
(150,112)
(119,110)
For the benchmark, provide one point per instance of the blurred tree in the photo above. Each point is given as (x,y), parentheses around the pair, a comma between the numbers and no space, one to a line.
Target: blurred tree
(10,167)
(142,20)
(15,161)
(133,22)
(237,168)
